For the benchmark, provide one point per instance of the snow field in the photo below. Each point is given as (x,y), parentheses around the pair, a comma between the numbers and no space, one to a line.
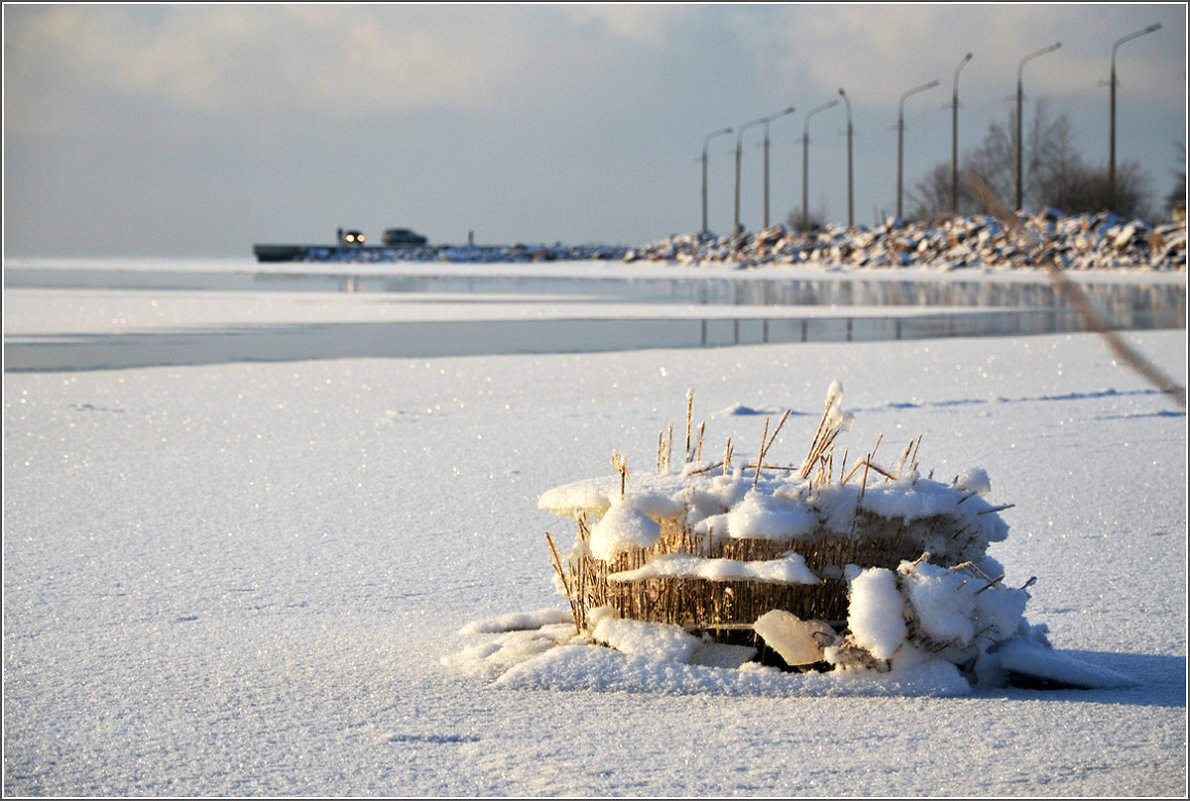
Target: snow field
(244,579)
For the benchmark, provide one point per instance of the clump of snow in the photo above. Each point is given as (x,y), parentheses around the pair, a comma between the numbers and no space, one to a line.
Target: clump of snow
(789,569)
(497,655)
(656,641)
(652,494)
(835,416)
(875,615)
(623,528)
(763,516)
(952,605)
(974,480)
(517,621)
(781,507)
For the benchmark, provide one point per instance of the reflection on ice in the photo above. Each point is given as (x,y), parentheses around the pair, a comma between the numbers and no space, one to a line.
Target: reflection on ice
(825,308)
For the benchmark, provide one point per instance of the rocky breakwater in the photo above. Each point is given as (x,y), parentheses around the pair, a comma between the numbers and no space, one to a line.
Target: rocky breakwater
(1086,242)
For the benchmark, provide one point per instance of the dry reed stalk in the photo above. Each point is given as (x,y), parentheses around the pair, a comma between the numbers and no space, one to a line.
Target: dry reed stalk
(886,473)
(766,442)
(814,442)
(995,509)
(991,582)
(903,465)
(727,454)
(702,430)
(763,437)
(1078,297)
(574,611)
(689,418)
(620,463)
(848,477)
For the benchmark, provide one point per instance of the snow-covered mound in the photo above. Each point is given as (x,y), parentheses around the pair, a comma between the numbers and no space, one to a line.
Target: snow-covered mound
(736,565)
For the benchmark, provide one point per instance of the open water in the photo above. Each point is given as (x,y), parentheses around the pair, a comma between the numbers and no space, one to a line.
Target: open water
(975,308)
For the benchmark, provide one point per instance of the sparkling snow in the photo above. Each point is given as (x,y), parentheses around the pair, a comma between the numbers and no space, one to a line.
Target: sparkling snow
(331,577)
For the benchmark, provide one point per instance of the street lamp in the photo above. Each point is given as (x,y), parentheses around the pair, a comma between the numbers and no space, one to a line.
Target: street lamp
(705,142)
(901,137)
(766,122)
(850,183)
(954,138)
(1020,94)
(739,150)
(806,160)
(1111,159)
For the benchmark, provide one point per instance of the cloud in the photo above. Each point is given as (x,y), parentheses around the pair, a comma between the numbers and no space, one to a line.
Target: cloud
(340,60)
(879,51)
(332,59)
(544,120)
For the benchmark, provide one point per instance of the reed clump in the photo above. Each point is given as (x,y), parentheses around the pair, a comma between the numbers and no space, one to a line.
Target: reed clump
(714,546)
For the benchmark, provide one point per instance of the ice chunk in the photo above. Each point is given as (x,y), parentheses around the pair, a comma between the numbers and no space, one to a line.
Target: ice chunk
(1027,663)
(799,642)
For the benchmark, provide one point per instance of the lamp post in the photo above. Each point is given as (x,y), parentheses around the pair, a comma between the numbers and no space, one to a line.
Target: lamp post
(806,160)
(850,175)
(1111,159)
(705,142)
(739,150)
(1020,94)
(901,137)
(954,138)
(766,122)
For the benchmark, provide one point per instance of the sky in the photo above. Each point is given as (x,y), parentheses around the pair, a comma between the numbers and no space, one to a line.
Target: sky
(200,130)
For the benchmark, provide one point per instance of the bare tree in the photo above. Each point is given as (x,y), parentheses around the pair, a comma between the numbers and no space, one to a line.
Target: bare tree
(1177,197)
(815,220)
(1053,172)
(930,197)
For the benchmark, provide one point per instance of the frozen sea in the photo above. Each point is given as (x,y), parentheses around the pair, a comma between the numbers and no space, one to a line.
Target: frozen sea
(240,555)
